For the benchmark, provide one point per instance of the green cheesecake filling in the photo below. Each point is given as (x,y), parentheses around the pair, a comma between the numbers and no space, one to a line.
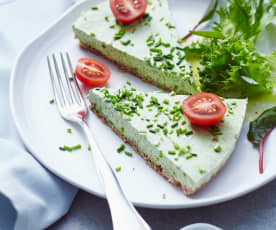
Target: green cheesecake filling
(154,122)
(149,47)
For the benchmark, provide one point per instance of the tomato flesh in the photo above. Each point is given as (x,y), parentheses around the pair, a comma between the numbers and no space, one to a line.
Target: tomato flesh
(204,108)
(128,11)
(91,72)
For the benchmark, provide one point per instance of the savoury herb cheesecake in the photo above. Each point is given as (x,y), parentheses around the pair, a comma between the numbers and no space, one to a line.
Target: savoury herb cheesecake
(153,123)
(149,47)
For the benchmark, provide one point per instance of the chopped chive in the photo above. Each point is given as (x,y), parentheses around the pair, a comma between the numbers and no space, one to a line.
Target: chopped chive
(128,83)
(191,155)
(106,18)
(118,169)
(201,171)
(188,133)
(94,8)
(160,126)
(160,154)
(69,130)
(149,126)
(92,35)
(69,149)
(182,152)
(165,131)
(158,58)
(156,50)
(171,152)
(169,25)
(76,147)
(150,38)
(174,125)
(217,148)
(119,34)
(164,196)
(128,153)
(121,148)
(71,78)
(176,146)
(166,45)
(112,26)
(52,101)
(125,43)
(89,148)
(166,102)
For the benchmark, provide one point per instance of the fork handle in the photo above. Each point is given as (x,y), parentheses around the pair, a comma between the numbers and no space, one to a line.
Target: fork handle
(124,215)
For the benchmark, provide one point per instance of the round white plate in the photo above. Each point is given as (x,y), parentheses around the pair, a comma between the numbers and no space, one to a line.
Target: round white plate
(43,131)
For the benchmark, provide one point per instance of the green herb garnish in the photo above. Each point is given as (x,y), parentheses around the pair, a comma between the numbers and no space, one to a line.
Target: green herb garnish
(232,66)
(128,153)
(217,148)
(125,43)
(69,149)
(118,169)
(121,148)
(119,34)
(260,129)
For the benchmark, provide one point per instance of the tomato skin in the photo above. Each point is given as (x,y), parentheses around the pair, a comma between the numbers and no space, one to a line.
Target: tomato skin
(204,108)
(91,72)
(128,11)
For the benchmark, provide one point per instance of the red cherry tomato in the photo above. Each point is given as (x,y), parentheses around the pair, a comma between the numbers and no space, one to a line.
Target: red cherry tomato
(128,11)
(204,108)
(91,72)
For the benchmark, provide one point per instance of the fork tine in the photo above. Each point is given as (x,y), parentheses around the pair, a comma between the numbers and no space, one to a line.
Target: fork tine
(79,92)
(57,98)
(70,89)
(60,81)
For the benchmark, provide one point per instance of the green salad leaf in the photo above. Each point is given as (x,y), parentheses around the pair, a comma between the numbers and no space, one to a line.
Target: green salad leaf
(260,129)
(261,126)
(209,13)
(208,34)
(232,66)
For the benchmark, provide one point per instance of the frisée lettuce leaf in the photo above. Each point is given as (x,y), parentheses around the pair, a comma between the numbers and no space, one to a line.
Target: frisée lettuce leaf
(230,64)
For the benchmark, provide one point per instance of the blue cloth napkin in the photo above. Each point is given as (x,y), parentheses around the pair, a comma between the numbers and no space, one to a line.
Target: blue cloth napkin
(31,198)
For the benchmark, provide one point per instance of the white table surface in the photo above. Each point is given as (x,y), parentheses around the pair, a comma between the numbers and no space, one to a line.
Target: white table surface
(20,21)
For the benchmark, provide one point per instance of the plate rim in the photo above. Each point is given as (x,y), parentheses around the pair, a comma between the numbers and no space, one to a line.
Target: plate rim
(206,202)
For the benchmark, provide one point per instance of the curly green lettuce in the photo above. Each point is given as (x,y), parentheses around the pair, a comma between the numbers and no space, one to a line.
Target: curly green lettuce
(230,64)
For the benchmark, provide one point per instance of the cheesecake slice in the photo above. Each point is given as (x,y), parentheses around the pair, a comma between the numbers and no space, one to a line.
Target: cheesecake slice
(148,48)
(154,125)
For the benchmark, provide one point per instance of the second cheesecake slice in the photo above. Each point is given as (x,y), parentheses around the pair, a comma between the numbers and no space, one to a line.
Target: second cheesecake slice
(153,124)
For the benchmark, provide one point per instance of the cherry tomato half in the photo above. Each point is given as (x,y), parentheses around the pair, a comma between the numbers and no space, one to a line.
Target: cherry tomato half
(204,108)
(128,11)
(92,72)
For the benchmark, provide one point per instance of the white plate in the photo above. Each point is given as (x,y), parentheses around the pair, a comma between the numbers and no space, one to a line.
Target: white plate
(43,131)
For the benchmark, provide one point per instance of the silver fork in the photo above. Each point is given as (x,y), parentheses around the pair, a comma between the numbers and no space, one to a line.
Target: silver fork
(72,107)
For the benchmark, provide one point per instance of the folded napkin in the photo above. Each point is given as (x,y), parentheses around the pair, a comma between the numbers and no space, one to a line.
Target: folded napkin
(30,195)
